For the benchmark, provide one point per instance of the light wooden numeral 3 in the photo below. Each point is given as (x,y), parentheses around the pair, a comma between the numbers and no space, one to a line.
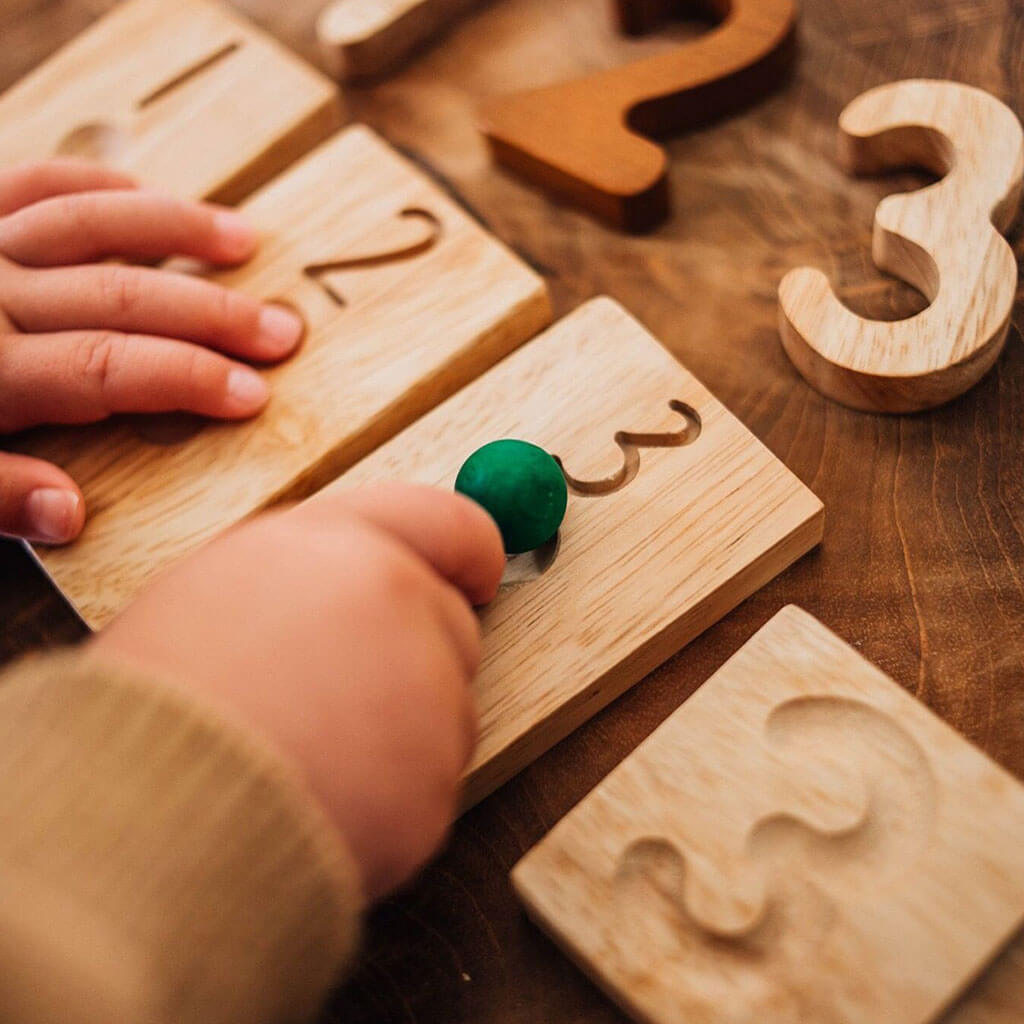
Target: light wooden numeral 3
(584,139)
(943,240)
(319,272)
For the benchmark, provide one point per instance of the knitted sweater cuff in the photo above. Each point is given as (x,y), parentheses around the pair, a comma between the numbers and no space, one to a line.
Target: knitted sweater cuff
(156,860)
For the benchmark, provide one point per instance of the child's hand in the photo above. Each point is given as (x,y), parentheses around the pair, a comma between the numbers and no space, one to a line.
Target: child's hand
(81,339)
(342,631)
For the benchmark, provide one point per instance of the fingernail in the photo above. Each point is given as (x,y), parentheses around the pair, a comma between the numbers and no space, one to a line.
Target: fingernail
(238,238)
(52,514)
(281,328)
(247,389)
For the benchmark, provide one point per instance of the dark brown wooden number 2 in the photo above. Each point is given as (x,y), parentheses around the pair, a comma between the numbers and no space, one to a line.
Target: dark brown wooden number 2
(584,140)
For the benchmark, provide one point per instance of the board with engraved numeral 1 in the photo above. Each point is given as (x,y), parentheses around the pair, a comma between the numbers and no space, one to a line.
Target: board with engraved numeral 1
(185,95)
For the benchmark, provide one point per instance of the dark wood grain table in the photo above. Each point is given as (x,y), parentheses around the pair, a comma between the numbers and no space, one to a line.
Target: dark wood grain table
(922,566)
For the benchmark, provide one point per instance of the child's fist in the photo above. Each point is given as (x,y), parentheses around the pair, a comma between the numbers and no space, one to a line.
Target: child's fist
(342,631)
(82,339)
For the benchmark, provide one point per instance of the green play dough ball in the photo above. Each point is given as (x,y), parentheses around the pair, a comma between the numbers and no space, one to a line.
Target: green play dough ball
(523,489)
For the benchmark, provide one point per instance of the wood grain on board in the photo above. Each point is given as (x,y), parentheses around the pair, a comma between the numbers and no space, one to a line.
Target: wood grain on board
(186,94)
(585,140)
(801,841)
(945,241)
(920,568)
(405,299)
(677,514)
(366,38)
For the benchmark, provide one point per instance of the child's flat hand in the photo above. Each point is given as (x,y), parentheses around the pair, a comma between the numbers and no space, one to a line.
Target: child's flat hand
(81,340)
(342,631)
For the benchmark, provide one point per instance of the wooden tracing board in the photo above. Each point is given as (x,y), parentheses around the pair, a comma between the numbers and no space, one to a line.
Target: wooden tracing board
(685,515)
(405,298)
(183,93)
(801,841)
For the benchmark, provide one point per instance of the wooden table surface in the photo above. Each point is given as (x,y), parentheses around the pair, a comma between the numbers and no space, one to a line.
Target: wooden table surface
(922,567)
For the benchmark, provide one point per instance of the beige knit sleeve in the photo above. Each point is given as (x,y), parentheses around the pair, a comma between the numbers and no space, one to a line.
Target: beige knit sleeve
(156,863)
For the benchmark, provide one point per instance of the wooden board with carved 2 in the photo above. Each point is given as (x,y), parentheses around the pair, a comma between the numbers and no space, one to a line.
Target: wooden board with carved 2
(685,514)
(186,95)
(405,300)
(800,841)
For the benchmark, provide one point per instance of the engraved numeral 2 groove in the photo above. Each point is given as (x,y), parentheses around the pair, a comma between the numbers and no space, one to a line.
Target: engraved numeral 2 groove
(317,271)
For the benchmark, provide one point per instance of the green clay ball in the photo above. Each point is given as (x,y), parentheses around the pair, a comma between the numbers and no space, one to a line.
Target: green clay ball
(523,489)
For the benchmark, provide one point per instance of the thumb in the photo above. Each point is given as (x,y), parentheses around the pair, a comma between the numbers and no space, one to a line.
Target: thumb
(38,501)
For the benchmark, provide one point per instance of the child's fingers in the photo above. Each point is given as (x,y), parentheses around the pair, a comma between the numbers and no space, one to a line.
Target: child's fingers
(31,183)
(84,376)
(38,502)
(144,301)
(453,534)
(142,225)
(455,542)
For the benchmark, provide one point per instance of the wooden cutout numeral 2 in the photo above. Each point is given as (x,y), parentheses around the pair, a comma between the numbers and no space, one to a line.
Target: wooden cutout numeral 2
(944,240)
(584,140)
